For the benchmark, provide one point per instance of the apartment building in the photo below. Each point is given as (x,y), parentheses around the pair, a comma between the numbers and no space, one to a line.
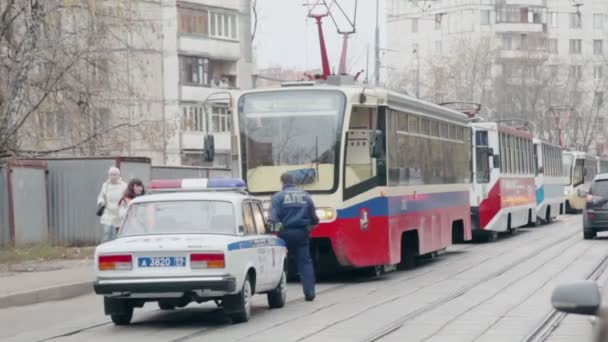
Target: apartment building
(560,39)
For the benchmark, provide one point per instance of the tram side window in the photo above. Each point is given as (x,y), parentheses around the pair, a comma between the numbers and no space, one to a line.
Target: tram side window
(359,164)
(424,153)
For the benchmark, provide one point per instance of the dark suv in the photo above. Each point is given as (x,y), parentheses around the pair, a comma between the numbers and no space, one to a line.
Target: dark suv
(595,214)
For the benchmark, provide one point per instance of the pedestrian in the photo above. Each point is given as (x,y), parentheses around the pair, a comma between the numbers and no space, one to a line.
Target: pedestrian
(135,188)
(111,192)
(294,209)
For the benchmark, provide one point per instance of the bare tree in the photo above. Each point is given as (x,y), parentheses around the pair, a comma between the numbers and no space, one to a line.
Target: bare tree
(66,68)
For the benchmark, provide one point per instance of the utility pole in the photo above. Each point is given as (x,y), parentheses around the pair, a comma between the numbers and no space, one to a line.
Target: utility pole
(367,66)
(377,68)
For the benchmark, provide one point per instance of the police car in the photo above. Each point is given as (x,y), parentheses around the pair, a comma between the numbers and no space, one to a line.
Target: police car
(191,240)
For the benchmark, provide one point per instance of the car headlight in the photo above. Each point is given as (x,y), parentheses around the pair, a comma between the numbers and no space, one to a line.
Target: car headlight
(326,214)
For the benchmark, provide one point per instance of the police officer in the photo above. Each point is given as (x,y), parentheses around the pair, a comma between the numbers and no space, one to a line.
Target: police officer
(294,209)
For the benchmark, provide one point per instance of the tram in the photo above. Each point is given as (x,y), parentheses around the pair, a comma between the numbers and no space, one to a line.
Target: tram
(579,170)
(388,173)
(549,181)
(503,193)
(602,165)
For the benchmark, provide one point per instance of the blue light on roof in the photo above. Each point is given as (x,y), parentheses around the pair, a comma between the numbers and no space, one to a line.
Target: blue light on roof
(226,183)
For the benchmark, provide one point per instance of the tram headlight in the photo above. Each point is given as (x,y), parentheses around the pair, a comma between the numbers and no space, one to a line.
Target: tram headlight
(567,192)
(326,214)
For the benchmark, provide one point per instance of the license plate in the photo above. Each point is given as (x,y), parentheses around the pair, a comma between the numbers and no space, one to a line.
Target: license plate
(161,262)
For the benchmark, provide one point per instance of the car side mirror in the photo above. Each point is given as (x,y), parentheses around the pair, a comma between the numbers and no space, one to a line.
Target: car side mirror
(581,297)
(376,147)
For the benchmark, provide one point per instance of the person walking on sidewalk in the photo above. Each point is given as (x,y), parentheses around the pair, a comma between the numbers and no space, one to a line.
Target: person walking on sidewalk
(135,188)
(294,209)
(111,192)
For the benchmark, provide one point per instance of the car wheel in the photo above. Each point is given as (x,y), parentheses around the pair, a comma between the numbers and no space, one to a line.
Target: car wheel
(120,310)
(588,235)
(278,296)
(163,305)
(238,306)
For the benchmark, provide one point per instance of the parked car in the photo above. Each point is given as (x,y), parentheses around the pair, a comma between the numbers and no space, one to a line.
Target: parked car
(583,298)
(595,213)
(200,240)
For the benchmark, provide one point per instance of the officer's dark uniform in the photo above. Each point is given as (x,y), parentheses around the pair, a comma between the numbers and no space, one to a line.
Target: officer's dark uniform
(296,211)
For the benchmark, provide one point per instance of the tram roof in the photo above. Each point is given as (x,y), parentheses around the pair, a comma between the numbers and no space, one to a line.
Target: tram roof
(384,96)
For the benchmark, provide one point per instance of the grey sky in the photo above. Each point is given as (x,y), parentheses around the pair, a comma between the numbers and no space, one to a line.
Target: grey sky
(287,38)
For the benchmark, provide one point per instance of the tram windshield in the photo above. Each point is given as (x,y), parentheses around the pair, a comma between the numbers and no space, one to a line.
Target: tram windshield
(296,131)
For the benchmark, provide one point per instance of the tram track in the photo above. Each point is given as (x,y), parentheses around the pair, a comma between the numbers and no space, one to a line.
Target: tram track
(398,323)
(553,319)
(504,248)
(393,282)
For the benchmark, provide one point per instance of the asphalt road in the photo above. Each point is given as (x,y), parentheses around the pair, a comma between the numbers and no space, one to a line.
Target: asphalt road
(476,292)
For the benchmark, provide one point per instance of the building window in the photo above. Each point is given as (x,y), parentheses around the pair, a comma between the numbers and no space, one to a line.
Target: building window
(485,17)
(598,98)
(576,46)
(194,70)
(223,25)
(598,21)
(575,20)
(192,21)
(552,46)
(598,47)
(52,125)
(509,15)
(193,117)
(554,69)
(576,71)
(598,72)
(438,21)
(554,19)
(507,42)
(221,119)
(414,25)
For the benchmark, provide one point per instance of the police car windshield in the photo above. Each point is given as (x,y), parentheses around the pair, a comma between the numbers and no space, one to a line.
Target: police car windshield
(180,217)
(294,130)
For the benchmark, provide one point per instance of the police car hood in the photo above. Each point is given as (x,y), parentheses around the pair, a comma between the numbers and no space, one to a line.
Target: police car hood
(167,242)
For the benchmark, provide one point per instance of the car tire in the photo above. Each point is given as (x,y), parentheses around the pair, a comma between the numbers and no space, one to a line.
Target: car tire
(278,296)
(588,235)
(163,305)
(238,306)
(120,310)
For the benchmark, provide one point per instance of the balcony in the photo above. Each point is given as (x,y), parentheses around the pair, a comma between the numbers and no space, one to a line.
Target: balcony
(529,55)
(520,27)
(211,47)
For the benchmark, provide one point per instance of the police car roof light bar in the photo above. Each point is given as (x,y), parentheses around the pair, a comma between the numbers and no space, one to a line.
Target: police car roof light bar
(197,184)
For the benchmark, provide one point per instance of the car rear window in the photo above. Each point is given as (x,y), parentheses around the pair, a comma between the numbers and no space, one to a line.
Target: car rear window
(180,217)
(599,188)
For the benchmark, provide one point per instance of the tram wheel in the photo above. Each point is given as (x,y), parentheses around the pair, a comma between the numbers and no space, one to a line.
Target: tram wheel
(492,236)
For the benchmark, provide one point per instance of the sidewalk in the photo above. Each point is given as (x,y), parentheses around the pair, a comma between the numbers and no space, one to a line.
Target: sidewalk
(35,282)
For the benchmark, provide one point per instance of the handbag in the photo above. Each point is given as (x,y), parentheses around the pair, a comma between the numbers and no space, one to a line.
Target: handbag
(102,207)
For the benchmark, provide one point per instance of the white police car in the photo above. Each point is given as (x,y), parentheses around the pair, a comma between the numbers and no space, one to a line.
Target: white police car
(191,240)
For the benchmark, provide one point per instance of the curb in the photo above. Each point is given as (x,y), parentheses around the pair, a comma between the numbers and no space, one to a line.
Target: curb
(46,294)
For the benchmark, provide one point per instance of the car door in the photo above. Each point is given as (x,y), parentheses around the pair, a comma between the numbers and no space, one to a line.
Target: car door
(270,252)
(258,251)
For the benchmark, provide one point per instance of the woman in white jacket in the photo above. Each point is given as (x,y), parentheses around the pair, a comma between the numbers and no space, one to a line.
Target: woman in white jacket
(111,192)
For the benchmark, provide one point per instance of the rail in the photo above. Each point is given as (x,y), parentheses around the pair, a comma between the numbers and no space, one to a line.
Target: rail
(548,325)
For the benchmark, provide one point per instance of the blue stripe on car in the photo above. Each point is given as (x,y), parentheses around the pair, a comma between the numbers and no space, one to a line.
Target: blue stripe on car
(263,242)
